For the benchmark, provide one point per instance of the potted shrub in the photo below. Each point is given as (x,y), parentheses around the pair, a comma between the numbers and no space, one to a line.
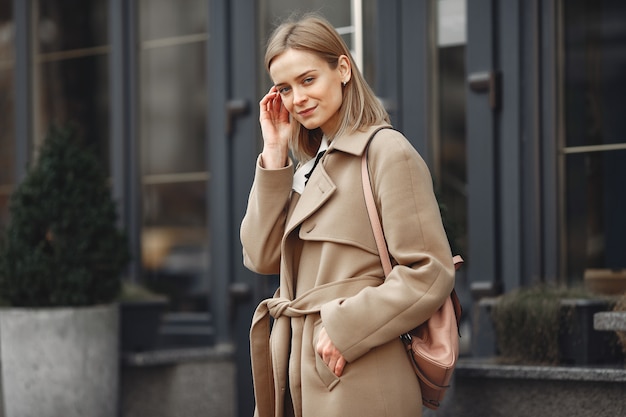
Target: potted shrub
(60,265)
(548,325)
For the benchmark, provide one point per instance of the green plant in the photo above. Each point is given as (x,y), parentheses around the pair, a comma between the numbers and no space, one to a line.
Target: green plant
(62,246)
(528,322)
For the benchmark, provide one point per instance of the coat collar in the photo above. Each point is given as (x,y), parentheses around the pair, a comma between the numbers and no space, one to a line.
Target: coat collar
(355,143)
(321,189)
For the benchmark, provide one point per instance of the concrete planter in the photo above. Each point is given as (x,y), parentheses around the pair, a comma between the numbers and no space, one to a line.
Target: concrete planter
(579,344)
(484,388)
(60,361)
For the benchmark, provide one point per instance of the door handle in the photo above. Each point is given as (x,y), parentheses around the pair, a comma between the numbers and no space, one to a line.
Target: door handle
(486,82)
(240,292)
(235,108)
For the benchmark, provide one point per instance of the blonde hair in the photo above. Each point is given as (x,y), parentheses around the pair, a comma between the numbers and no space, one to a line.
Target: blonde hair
(360,107)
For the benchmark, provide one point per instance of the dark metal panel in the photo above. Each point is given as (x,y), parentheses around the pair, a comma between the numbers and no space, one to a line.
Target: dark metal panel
(482,174)
(387,79)
(23,86)
(549,70)
(219,190)
(124,147)
(532,221)
(415,95)
(244,70)
(510,137)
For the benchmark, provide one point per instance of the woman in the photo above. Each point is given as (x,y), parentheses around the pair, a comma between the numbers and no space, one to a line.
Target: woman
(334,348)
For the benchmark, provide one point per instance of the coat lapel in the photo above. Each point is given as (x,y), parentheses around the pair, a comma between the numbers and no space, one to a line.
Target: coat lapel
(321,187)
(316,193)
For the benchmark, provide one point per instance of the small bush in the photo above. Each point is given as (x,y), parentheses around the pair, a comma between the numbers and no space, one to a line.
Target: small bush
(528,323)
(62,246)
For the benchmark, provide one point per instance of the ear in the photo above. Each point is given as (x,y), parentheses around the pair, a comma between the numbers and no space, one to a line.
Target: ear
(345,68)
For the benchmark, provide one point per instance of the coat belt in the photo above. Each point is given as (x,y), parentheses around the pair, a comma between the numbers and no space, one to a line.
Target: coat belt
(279,307)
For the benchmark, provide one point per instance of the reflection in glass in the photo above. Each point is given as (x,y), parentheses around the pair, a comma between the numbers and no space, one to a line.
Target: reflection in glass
(174,244)
(594,88)
(173,109)
(7,142)
(595,64)
(7,132)
(166,18)
(76,91)
(7,106)
(64,25)
(172,100)
(452,145)
(451,176)
(595,206)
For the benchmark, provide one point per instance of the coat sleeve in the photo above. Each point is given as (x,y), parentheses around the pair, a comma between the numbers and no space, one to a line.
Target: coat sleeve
(264,222)
(424,274)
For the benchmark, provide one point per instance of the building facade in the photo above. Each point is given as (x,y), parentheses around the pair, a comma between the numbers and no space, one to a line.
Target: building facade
(513,104)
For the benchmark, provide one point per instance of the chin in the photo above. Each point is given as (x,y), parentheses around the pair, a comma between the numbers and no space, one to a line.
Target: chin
(310,125)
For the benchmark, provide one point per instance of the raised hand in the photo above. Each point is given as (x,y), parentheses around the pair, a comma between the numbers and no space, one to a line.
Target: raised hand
(275,127)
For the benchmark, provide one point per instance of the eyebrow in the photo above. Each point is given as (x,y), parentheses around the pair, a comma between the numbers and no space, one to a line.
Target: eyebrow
(304,74)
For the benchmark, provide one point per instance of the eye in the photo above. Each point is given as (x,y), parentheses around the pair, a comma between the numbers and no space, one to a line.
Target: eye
(307,80)
(284,90)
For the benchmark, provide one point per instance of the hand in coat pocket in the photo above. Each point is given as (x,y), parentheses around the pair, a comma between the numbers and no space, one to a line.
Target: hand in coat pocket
(329,353)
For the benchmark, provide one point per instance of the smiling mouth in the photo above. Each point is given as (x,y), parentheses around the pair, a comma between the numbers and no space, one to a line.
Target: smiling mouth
(306,112)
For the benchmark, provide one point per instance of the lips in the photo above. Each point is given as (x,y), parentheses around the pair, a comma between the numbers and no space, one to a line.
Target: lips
(306,112)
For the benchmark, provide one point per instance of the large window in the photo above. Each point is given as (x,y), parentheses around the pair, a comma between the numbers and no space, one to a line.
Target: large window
(174,171)
(71,70)
(69,79)
(593,146)
(7,132)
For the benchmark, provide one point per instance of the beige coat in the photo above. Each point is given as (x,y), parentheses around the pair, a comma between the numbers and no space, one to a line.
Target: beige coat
(322,245)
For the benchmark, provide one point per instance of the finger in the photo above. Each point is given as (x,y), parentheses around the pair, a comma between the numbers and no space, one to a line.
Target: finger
(340,366)
(332,363)
(326,354)
(277,103)
(268,98)
(284,114)
(263,104)
(266,109)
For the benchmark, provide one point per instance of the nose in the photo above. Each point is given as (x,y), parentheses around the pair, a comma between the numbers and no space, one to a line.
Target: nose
(299,97)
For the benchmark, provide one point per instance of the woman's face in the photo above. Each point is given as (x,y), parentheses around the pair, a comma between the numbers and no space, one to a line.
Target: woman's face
(310,89)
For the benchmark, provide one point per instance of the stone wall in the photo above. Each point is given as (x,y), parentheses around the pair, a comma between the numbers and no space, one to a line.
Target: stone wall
(484,389)
(181,382)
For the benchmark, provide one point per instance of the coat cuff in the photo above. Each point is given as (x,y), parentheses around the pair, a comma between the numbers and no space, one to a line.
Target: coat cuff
(273,179)
(341,339)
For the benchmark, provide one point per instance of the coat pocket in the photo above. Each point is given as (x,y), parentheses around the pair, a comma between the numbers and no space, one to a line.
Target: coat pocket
(327,376)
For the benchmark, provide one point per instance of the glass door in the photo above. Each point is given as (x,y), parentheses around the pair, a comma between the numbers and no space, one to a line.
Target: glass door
(173,163)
